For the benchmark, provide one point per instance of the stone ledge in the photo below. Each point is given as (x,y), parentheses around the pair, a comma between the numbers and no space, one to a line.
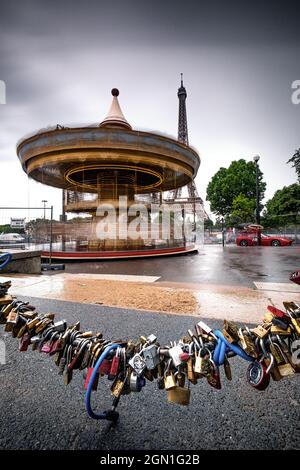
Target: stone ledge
(26,262)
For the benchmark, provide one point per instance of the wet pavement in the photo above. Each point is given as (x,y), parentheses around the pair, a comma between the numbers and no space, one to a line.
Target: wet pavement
(232,265)
(235,283)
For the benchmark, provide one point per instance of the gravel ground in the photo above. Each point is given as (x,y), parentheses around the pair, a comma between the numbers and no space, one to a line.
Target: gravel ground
(39,412)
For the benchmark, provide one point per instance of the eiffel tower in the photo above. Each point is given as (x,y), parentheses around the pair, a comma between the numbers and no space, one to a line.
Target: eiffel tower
(183,137)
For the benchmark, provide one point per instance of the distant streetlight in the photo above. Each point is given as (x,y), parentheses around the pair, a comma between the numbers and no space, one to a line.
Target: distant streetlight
(256,160)
(44,201)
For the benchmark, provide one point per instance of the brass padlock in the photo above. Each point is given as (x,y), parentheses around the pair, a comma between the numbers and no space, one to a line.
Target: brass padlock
(170,381)
(282,359)
(275,374)
(190,371)
(180,378)
(286,369)
(276,330)
(247,343)
(261,331)
(268,317)
(203,364)
(179,395)
(117,387)
(230,331)
(11,320)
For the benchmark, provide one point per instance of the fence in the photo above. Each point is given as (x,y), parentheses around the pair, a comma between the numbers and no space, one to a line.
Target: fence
(35,228)
(26,228)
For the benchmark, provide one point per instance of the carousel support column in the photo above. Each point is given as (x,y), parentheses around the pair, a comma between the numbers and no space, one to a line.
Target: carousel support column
(63,219)
(183,227)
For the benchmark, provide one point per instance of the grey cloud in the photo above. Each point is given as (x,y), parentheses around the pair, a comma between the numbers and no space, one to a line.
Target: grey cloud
(60,59)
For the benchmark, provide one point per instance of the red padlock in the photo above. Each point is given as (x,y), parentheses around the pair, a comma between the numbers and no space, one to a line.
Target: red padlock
(114,366)
(88,377)
(56,346)
(258,376)
(277,312)
(184,356)
(24,342)
(295,277)
(104,367)
(214,378)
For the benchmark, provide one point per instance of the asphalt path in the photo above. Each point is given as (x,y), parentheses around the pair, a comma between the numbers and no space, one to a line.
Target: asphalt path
(39,412)
(232,265)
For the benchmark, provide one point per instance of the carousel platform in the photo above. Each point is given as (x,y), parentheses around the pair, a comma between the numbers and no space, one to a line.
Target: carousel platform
(115,255)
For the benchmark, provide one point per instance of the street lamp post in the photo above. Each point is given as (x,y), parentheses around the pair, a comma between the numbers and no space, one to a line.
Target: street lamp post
(256,160)
(44,202)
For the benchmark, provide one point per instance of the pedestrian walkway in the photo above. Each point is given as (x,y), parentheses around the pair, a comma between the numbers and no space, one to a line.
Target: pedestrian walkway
(216,301)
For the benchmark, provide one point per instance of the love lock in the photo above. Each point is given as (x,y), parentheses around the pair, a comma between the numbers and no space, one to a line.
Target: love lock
(136,383)
(258,375)
(295,277)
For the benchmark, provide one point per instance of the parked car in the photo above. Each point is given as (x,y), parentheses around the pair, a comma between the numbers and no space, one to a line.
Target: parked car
(246,238)
(11,238)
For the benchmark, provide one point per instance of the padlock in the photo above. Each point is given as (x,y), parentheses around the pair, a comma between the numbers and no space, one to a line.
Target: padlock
(59,326)
(227,369)
(179,395)
(213,378)
(151,339)
(175,353)
(247,343)
(277,330)
(170,381)
(281,323)
(203,364)
(151,356)
(105,367)
(24,342)
(190,371)
(88,377)
(184,357)
(137,363)
(261,331)
(115,364)
(136,383)
(46,347)
(230,331)
(257,375)
(118,386)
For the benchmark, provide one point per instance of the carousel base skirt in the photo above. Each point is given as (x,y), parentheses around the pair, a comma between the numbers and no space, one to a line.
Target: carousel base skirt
(104,255)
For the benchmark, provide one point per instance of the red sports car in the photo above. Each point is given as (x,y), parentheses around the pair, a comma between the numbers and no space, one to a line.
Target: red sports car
(250,239)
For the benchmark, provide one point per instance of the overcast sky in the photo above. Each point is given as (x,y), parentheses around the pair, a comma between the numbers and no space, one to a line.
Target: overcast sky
(60,59)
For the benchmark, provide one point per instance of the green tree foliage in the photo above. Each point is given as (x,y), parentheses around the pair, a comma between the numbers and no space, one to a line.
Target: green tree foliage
(284,206)
(243,210)
(229,183)
(7,229)
(208,223)
(295,160)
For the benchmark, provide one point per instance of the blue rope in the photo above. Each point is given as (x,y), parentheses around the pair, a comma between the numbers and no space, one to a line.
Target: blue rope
(92,379)
(224,346)
(5,258)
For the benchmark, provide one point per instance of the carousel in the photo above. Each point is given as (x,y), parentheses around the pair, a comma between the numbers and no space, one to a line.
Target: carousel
(101,165)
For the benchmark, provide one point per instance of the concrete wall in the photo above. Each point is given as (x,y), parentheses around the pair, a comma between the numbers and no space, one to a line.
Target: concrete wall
(26,262)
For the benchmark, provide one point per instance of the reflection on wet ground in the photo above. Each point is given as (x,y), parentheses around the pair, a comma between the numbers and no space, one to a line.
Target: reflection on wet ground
(235,283)
(232,265)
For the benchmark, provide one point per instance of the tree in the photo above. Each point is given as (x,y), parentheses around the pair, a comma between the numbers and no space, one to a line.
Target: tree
(208,223)
(295,160)
(229,183)
(285,202)
(243,210)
